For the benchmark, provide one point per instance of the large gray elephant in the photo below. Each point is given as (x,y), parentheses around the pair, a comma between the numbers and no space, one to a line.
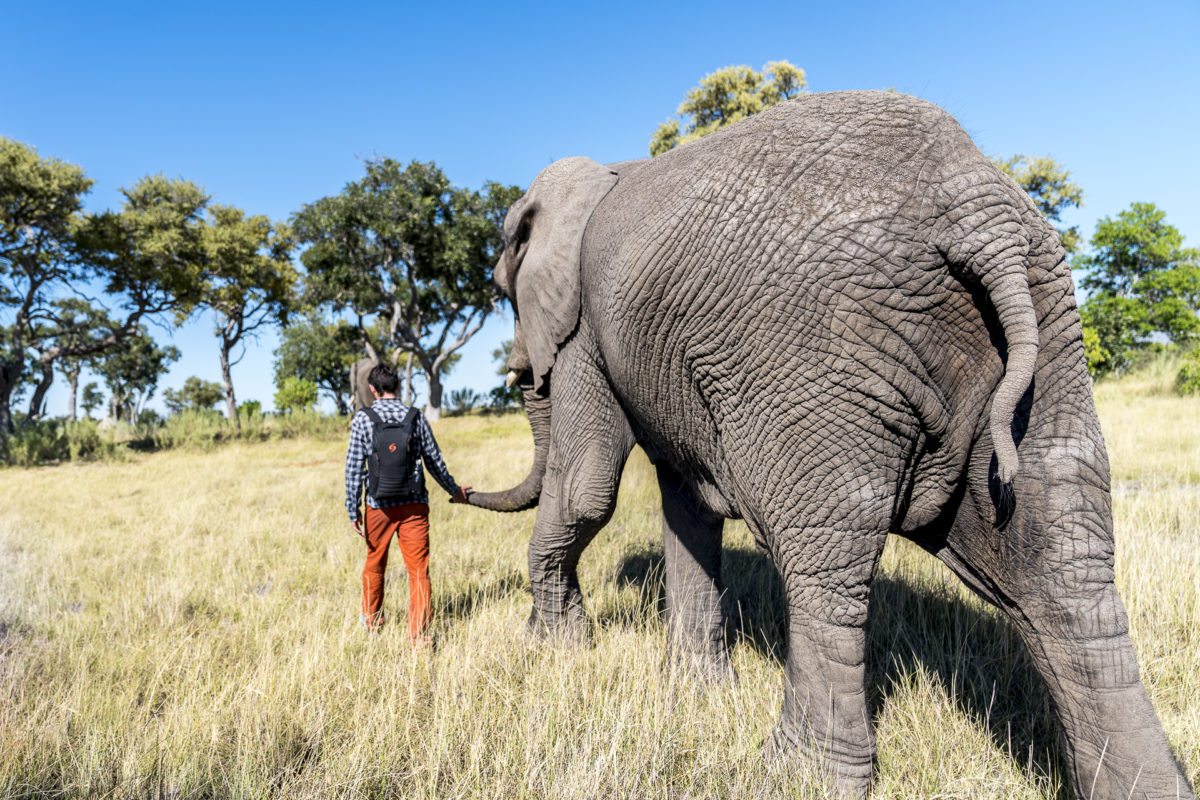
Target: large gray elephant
(834,320)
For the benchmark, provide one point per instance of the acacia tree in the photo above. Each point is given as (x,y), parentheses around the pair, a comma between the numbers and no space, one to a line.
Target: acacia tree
(404,246)
(140,261)
(77,324)
(131,370)
(250,283)
(196,394)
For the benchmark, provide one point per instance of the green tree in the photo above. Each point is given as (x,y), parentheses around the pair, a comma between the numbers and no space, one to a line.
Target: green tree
(140,260)
(727,96)
(131,370)
(320,352)
(196,394)
(1143,282)
(295,394)
(92,398)
(1049,184)
(76,323)
(250,283)
(405,247)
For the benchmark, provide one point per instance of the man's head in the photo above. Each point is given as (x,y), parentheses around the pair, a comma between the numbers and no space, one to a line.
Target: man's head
(383,379)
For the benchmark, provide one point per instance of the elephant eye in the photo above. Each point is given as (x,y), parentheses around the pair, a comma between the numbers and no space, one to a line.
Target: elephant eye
(522,235)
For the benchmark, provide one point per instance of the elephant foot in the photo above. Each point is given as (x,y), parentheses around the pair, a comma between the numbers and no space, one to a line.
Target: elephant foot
(708,665)
(847,778)
(569,629)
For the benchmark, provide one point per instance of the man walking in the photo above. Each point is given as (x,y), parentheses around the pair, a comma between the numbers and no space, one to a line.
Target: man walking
(394,439)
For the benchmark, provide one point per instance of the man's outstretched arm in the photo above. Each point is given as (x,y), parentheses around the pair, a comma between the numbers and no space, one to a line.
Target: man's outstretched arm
(431,454)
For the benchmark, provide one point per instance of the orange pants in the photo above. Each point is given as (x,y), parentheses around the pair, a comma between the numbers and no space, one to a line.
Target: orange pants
(410,523)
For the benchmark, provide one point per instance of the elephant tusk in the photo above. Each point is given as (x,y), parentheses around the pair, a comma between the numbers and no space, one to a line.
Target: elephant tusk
(511,378)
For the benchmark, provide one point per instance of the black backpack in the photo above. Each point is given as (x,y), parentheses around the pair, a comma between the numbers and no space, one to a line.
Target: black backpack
(390,463)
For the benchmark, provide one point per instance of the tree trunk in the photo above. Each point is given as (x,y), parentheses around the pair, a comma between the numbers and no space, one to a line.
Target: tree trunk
(433,409)
(6,423)
(73,382)
(227,378)
(37,403)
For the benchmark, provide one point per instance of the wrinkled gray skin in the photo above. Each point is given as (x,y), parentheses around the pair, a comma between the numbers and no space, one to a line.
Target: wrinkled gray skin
(360,391)
(833,320)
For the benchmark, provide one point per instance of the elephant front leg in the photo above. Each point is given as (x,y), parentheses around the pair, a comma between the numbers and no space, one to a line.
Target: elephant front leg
(692,555)
(590,440)
(554,553)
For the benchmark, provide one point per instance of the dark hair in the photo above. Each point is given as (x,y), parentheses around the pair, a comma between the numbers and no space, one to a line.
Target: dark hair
(383,377)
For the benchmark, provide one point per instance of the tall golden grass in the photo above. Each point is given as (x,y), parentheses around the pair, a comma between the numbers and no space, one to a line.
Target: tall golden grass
(185,624)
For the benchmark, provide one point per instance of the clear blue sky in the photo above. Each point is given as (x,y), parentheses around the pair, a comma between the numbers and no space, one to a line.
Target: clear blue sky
(270,106)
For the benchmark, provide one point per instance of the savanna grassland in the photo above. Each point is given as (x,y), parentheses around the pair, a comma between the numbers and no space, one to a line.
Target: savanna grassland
(185,624)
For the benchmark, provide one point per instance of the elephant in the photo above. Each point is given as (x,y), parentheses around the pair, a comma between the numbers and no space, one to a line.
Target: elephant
(835,319)
(360,392)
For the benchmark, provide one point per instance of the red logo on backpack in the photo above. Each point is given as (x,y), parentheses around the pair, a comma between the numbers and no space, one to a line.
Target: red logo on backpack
(392,448)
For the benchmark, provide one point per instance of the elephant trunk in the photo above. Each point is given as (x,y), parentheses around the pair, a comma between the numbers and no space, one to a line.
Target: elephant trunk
(525,494)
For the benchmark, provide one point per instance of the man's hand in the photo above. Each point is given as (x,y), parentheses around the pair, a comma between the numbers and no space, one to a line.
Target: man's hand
(461,495)
(356,526)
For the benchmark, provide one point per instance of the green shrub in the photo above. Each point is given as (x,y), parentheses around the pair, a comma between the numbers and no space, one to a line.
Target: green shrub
(36,443)
(86,442)
(307,422)
(249,410)
(295,394)
(1187,380)
(192,428)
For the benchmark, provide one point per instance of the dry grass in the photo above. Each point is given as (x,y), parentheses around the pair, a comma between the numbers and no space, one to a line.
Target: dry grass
(185,625)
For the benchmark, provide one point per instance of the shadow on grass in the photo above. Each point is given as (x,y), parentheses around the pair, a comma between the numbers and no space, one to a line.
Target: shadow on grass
(912,627)
(463,604)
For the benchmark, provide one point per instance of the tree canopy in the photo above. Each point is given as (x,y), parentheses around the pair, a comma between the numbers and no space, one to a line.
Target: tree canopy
(134,263)
(295,394)
(319,352)
(1049,184)
(727,96)
(404,246)
(196,394)
(250,283)
(131,370)
(1143,283)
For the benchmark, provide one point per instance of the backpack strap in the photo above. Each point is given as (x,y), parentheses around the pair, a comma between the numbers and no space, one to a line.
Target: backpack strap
(373,415)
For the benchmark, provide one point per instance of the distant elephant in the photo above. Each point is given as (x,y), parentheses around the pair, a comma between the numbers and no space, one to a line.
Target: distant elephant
(834,319)
(360,392)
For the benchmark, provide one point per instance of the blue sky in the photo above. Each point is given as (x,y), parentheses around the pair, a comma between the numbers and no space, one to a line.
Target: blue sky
(270,106)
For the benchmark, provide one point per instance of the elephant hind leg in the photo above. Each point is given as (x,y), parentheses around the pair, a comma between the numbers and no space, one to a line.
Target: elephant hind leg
(1055,584)
(825,720)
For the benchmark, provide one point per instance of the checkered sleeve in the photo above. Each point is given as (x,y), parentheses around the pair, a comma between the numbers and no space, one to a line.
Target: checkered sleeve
(356,457)
(432,456)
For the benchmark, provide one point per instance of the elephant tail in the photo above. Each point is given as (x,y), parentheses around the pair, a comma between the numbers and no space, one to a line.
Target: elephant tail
(993,247)
(1010,297)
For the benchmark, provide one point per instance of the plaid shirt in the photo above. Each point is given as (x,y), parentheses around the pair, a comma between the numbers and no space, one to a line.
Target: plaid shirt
(362,431)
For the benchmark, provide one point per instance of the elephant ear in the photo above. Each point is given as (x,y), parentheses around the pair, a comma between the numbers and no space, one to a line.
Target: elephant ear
(557,208)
